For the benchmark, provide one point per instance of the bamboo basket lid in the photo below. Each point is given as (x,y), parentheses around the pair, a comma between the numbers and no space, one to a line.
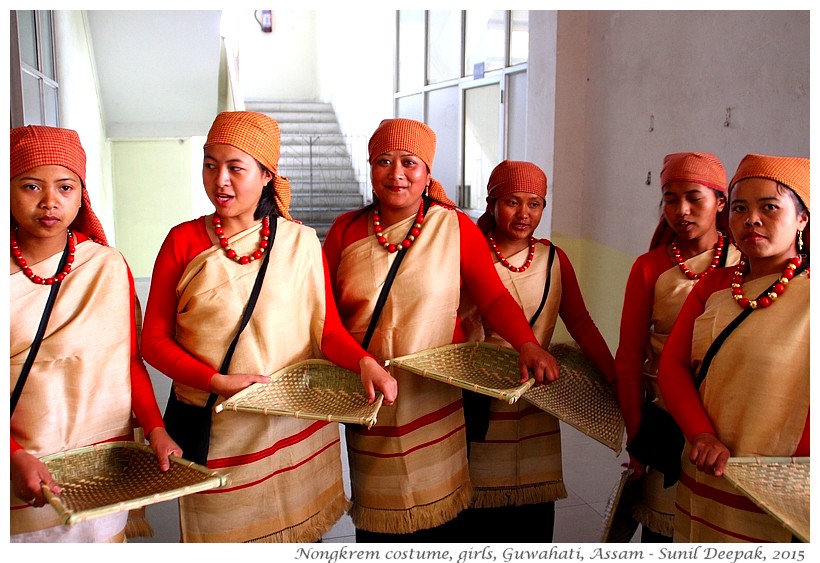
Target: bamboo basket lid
(619,524)
(778,485)
(115,477)
(312,389)
(581,397)
(485,368)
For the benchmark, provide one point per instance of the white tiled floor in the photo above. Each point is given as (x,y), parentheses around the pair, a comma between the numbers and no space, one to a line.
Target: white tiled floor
(591,471)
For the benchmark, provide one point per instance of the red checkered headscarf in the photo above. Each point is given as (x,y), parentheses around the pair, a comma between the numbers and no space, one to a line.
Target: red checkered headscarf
(257,135)
(511,176)
(697,167)
(414,137)
(40,145)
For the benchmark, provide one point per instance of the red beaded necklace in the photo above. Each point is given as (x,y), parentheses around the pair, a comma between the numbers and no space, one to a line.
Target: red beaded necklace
(18,258)
(775,291)
(505,262)
(718,248)
(223,242)
(415,231)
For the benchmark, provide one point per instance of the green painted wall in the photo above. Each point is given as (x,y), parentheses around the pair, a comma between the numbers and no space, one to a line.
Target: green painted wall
(602,274)
(153,182)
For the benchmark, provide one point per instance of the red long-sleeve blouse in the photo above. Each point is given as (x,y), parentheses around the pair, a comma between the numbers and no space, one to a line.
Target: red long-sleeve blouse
(636,320)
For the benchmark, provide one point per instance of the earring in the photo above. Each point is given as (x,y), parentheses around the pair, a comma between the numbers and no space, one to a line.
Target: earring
(799,241)
(427,190)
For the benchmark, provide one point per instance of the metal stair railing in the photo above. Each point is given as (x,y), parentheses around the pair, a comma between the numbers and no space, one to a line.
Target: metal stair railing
(324,160)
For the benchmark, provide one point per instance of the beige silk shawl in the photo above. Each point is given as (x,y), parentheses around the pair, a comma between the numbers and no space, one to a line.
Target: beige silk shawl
(757,396)
(520,460)
(286,473)
(656,509)
(409,471)
(79,389)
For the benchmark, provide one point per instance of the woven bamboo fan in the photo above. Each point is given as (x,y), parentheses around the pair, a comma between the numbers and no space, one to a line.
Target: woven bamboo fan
(313,389)
(581,398)
(478,366)
(619,524)
(117,476)
(778,485)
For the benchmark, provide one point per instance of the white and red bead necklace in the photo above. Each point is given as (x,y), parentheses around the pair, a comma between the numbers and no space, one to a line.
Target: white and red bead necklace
(505,262)
(718,248)
(415,231)
(776,290)
(18,258)
(232,254)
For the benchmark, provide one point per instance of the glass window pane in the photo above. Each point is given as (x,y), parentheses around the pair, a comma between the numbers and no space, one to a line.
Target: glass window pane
(520,36)
(515,100)
(484,42)
(411,50)
(45,44)
(444,45)
(31,100)
(443,118)
(481,151)
(28,37)
(410,107)
(50,94)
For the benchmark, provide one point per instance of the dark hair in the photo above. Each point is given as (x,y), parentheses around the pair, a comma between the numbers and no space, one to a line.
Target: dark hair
(267,202)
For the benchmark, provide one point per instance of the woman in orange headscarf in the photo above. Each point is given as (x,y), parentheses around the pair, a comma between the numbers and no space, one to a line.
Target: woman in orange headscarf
(409,472)
(81,385)
(753,399)
(689,242)
(286,473)
(515,450)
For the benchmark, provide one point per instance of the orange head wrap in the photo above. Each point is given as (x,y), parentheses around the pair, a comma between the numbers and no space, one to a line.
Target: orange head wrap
(511,176)
(39,145)
(697,167)
(257,135)
(792,172)
(414,137)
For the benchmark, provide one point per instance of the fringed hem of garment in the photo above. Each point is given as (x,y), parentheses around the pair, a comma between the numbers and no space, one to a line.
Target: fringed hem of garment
(313,528)
(410,520)
(138,525)
(516,496)
(658,522)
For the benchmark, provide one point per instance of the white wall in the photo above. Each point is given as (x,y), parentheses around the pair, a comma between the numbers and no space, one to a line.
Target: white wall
(356,71)
(634,86)
(80,109)
(541,84)
(281,64)
(638,85)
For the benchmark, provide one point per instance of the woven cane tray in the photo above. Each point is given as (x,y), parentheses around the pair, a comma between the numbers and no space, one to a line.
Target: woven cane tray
(117,476)
(619,524)
(485,368)
(778,485)
(581,398)
(313,389)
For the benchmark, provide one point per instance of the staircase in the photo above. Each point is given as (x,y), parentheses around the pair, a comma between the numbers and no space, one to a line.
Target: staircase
(317,159)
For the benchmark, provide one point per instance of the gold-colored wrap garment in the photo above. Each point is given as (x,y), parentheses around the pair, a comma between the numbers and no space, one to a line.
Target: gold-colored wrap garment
(286,473)
(757,396)
(78,392)
(409,471)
